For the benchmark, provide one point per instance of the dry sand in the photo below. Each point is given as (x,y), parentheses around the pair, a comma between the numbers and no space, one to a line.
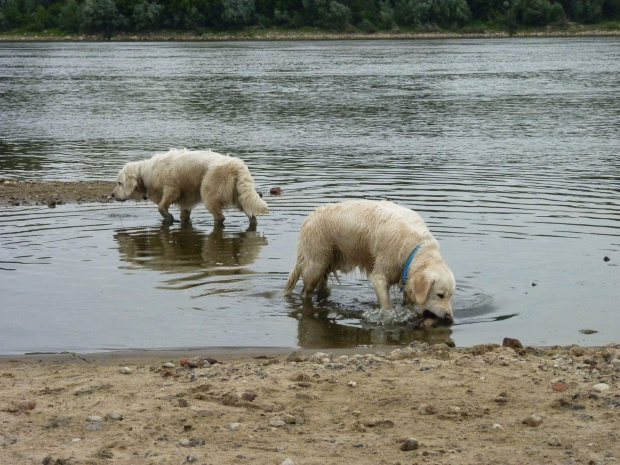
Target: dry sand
(483,405)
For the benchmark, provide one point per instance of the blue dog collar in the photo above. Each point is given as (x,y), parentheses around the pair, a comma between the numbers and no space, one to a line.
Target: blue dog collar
(407,263)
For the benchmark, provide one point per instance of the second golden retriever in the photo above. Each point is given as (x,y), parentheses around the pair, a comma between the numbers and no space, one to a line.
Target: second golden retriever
(389,243)
(188,177)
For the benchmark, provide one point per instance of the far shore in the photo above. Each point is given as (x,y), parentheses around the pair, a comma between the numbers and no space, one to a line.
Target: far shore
(302,35)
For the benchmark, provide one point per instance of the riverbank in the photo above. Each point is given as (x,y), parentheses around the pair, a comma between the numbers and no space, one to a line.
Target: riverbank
(572,30)
(419,404)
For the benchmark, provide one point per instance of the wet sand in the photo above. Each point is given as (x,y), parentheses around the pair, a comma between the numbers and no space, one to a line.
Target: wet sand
(15,192)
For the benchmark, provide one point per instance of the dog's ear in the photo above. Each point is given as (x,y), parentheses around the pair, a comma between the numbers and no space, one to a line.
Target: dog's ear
(422,284)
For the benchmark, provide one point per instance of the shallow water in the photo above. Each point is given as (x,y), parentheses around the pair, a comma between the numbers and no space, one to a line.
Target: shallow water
(507,147)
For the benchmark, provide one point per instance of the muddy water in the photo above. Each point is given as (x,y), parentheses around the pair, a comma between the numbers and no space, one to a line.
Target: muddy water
(509,149)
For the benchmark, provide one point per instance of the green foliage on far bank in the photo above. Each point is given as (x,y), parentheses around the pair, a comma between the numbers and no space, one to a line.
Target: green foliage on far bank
(114,16)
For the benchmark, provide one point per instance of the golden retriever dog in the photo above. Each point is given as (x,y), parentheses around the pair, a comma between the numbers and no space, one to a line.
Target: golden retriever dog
(186,178)
(388,243)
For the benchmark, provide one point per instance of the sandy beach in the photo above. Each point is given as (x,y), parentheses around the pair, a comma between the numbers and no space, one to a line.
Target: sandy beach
(419,404)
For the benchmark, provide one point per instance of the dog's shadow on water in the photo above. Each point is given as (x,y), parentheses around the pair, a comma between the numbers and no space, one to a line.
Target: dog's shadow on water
(186,249)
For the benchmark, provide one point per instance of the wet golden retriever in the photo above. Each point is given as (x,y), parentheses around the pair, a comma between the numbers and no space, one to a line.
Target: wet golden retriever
(188,177)
(389,243)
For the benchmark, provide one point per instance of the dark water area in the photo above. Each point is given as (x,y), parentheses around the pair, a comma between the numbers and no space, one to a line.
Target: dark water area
(508,148)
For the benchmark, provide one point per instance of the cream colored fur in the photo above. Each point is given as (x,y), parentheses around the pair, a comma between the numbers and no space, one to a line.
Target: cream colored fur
(376,237)
(186,178)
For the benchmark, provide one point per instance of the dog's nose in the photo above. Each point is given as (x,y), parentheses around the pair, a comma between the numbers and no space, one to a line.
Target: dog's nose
(113,195)
(449,320)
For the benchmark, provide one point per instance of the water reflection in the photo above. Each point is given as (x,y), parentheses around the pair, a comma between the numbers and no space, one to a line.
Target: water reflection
(320,325)
(189,251)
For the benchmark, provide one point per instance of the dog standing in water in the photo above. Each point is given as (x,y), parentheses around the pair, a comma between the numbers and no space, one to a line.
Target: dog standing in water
(186,178)
(389,243)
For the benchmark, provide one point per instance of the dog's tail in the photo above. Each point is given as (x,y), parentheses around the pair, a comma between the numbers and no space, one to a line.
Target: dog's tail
(249,200)
(293,277)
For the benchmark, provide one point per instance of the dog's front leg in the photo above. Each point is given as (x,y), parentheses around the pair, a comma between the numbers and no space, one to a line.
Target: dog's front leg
(169,196)
(380,285)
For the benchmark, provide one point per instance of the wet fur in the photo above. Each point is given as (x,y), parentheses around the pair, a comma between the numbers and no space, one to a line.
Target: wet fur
(377,238)
(187,178)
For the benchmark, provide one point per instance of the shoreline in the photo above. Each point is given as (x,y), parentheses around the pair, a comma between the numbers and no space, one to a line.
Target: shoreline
(271,35)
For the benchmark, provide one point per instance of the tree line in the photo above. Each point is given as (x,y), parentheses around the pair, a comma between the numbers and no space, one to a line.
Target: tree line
(111,16)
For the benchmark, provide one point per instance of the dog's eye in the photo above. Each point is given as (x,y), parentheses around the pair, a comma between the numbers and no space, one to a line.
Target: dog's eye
(441,296)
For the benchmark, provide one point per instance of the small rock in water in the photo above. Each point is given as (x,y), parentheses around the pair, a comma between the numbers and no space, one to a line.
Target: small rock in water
(410,444)
(275,190)
(606,258)
(588,331)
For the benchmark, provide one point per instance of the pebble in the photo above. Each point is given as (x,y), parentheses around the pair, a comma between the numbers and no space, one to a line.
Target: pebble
(410,444)
(287,461)
(168,365)
(512,343)
(497,426)
(600,387)
(554,441)
(533,420)
(352,384)
(319,357)
(234,426)
(125,371)
(277,422)
(197,442)
(114,416)
(93,423)
(296,356)
(425,409)
(205,413)
(191,459)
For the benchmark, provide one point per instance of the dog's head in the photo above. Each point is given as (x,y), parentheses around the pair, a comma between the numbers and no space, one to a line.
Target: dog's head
(129,185)
(431,287)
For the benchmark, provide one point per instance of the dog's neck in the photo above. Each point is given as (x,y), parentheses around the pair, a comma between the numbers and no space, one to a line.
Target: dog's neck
(405,272)
(142,187)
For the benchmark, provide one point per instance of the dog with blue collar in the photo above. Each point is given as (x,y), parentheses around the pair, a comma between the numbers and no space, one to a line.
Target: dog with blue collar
(389,243)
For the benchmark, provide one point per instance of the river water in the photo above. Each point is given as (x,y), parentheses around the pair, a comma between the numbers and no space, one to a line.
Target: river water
(508,148)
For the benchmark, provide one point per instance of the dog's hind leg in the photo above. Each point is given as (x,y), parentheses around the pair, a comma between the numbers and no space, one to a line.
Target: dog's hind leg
(379,284)
(313,275)
(169,196)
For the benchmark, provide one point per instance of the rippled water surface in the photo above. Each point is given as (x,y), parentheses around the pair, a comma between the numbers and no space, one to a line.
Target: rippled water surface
(509,149)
